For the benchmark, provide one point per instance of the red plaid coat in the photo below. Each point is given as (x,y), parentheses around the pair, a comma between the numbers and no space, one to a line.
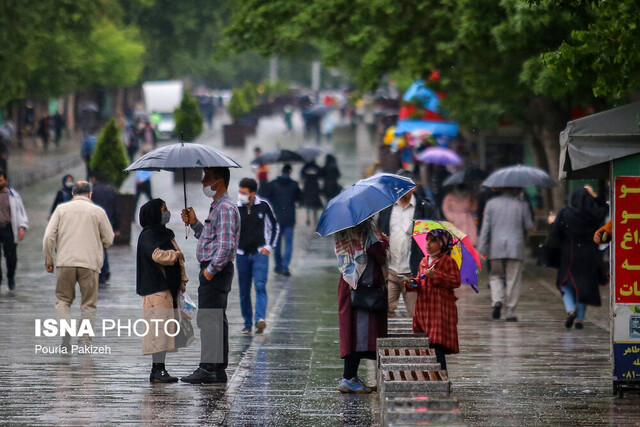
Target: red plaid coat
(436,313)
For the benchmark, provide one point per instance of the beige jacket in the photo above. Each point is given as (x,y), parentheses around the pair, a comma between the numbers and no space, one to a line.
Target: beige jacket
(78,230)
(169,257)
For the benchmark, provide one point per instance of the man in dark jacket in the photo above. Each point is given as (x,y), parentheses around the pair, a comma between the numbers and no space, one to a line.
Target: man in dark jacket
(283,193)
(396,221)
(104,195)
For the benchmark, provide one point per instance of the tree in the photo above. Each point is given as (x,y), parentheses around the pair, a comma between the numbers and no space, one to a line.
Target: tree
(188,118)
(110,156)
(238,105)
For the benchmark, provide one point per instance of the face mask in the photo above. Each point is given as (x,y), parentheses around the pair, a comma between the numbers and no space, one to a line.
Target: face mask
(243,198)
(166,217)
(209,192)
(68,185)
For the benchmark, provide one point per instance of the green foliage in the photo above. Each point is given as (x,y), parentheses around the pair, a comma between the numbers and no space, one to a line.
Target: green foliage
(238,105)
(250,93)
(188,118)
(110,156)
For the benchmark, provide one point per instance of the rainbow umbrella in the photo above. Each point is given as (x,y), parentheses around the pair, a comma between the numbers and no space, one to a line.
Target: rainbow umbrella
(463,252)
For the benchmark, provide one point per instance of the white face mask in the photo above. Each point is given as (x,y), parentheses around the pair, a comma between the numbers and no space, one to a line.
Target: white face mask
(209,192)
(244,199)
(166,217)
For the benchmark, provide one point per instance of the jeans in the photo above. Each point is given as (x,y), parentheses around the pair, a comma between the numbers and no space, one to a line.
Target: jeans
(105,272)
(282,262)
(570,303)
(254,267)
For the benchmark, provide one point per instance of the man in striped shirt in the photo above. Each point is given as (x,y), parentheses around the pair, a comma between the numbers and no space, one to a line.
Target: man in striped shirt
(218,241)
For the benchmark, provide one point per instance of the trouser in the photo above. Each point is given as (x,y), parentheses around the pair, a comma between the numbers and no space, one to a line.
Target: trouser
(254,267)
(282,261)
(66,292)
(213,294)
(143,188)
(440,355)
(571,303)
(395,288)
(105,272)
(505,278)
(9,246)
(351,365)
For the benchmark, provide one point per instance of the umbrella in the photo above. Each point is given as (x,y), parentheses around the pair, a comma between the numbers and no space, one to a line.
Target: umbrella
(318,111)
(309,153)
(277,156)
(440,156)
(182,156)
(463,252)
(90,106)
(465,176)
(519,176)
(362,200)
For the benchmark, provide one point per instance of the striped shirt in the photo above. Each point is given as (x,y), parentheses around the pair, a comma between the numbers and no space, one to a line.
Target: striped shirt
(218,237)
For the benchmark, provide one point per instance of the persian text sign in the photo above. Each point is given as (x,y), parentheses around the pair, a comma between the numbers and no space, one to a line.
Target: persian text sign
(627,239)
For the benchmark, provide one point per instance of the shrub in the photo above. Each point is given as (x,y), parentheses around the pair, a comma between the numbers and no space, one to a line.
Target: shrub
(188,118)
(250,94)
(110,156)
(238,106)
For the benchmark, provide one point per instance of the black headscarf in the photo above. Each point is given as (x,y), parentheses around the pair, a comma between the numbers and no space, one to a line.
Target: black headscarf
(584,214)
(151,222)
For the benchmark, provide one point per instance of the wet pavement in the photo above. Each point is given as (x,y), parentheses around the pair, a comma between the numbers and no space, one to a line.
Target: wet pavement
(531,372)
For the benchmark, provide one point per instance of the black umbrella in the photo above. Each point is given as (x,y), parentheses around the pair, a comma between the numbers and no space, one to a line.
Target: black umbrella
(519,176)
(182,156)
(278,156)
(309,153)
(318,111)
(465,176)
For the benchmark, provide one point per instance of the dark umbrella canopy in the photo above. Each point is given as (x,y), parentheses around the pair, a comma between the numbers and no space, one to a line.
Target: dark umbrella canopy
(519,176)
(182,156)
(309,153)
(465,176)
(278,156)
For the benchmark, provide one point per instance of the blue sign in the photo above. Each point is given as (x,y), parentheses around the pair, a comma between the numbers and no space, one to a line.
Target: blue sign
(626,361)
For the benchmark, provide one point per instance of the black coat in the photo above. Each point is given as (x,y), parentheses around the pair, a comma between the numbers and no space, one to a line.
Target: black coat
(105,196)
(64,194)
(581,263)
(311,191)
(283,193)
(424,210)
(151,277)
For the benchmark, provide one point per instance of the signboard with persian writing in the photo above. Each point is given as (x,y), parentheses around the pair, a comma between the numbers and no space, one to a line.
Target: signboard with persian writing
(627,361)
(627,240)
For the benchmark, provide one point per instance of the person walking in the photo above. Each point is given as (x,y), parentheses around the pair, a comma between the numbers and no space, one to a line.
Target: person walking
(218,240)
(261,170)
(405,255)
(160,278)
(259,232)
(507,220)
(86,151)
(64,194)
(581,268)
(105,196)
(458,207)
(436,313)
(143,184)
(311,191)
(283,193)
(330,174)
(43,131)
(58,127)
(355,248)
(78,232)
(13,225)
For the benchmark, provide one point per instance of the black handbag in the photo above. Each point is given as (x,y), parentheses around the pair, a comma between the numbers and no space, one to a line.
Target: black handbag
(368,296)
(185,336)
(549,251)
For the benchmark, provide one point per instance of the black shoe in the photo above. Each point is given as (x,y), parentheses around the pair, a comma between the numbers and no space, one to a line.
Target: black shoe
(579,325)
(12,285)
(162,376)
(278,272)
(202,376)
(286,273)
(570,318)
(511,319)
(496,310)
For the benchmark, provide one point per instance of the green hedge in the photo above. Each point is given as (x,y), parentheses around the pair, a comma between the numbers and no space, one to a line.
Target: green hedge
(188,119)
(110,155)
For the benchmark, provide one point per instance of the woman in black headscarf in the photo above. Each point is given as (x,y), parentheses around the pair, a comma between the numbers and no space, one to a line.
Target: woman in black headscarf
(330,174)
(160,277)
(64,194)
(581,267)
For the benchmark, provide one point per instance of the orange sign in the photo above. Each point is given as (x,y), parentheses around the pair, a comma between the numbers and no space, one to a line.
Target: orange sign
(627,240)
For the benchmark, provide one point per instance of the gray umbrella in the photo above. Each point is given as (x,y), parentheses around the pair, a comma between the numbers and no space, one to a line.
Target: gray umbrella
(278,156)
(309,153)
(519,176)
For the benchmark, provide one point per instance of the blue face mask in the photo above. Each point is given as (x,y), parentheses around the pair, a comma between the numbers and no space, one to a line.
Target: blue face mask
(166,217)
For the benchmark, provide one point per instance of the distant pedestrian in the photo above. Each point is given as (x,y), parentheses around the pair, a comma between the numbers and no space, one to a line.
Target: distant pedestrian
(507,220)
(310,174)
(405,255)
(6,137)
(218,241)
(13,225)
(64,194)
(58,126)
(78,232)
(143,184)
(261,170)
(283,193)
(160,278)
(581,268)
(105,196)
(43,131)
(330,174)
(259,232)
(458,207)
(88,147)
(436,313)
(356,248)
(288,117)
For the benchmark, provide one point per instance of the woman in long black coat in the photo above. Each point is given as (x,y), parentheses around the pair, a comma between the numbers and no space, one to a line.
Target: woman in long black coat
(581,268)
(311,189)
(160,276)
(330,174)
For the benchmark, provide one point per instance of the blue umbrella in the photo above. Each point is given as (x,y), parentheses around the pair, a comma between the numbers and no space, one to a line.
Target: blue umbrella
(362,200)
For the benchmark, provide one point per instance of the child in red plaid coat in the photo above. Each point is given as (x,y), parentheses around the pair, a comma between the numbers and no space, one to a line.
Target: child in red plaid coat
(436,313)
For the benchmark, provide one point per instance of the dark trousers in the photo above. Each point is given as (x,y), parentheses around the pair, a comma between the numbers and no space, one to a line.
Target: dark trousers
(213,294)
(440,355)
(9,246)
(143,188)
(105,272)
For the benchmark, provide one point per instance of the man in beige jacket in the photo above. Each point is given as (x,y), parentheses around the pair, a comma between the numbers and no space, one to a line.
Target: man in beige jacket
(79,230)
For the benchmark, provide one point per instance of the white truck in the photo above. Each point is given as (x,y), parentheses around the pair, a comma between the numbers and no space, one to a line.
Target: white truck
(162,98)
